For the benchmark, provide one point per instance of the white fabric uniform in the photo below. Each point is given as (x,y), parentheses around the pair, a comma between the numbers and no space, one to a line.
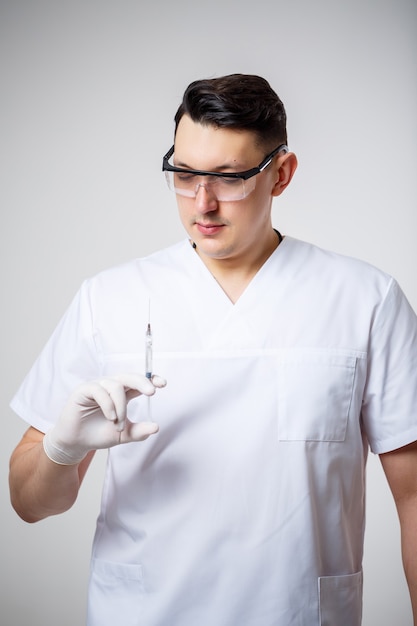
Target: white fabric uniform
(247,508)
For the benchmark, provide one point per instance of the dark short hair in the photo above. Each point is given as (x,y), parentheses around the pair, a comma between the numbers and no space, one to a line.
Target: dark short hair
(237,101)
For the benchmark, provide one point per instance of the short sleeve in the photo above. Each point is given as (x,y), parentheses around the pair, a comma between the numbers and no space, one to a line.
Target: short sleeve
(69,358)
(389,408)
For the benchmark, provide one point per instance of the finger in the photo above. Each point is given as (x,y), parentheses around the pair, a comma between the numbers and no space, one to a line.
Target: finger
(158,381)
(92,396)
(136,382)
(117,395)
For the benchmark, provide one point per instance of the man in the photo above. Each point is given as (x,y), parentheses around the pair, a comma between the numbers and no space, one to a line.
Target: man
(284,363)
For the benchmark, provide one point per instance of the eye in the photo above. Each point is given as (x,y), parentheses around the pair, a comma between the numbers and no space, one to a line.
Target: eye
(231,181)
(184,177)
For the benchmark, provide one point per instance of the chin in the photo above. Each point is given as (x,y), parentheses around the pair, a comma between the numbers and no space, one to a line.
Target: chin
(214,250)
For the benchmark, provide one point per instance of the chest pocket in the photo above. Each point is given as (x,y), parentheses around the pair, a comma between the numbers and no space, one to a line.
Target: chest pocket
(314,395)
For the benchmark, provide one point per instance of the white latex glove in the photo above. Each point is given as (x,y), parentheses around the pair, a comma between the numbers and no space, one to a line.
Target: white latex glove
(95,418)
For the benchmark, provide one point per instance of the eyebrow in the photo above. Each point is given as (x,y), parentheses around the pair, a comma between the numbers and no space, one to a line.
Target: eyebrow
(226,166)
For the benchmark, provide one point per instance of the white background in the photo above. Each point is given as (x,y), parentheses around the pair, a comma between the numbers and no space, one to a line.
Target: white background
(88,94)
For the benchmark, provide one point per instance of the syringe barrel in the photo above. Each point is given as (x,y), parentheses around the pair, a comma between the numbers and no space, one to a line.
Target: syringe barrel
(148,352)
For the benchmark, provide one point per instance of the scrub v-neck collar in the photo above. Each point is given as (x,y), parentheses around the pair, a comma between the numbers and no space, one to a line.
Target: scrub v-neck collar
(223,324)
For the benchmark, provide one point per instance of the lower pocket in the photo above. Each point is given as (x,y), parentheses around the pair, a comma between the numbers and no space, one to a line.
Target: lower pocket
(340,600)
(115,594)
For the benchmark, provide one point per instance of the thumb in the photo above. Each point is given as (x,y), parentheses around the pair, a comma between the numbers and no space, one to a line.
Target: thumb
(138,431)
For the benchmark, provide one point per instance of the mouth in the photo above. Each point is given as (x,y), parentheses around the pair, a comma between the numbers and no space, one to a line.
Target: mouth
(209,229)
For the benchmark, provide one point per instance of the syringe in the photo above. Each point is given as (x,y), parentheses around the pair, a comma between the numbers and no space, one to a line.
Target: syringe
(148,360)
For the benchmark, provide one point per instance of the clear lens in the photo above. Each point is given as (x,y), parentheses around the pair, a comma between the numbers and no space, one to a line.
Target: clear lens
(225,189)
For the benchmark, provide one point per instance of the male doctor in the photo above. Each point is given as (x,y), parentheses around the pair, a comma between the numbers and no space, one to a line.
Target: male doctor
(243,505)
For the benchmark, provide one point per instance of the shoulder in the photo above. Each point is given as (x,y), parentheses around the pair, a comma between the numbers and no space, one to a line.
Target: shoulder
(329,257)
(141,268)
(334,269)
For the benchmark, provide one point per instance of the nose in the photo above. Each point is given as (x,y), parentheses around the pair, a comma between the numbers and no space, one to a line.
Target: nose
(205,199)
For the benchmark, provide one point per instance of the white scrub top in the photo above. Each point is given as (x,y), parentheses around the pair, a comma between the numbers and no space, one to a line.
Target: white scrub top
(247,508)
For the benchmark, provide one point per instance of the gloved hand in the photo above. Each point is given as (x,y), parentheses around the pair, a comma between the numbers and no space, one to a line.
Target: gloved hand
(95,418)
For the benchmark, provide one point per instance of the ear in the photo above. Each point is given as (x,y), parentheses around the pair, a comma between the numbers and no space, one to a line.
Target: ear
(286,166)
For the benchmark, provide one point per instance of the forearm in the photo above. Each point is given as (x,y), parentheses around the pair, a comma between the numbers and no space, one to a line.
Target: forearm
(39,487)
(408,517)
(400,467)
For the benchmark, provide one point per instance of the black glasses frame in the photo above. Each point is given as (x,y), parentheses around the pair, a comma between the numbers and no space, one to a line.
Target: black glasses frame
(167,167)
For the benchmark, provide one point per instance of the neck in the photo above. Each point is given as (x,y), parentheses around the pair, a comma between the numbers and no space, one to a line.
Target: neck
(233,275)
